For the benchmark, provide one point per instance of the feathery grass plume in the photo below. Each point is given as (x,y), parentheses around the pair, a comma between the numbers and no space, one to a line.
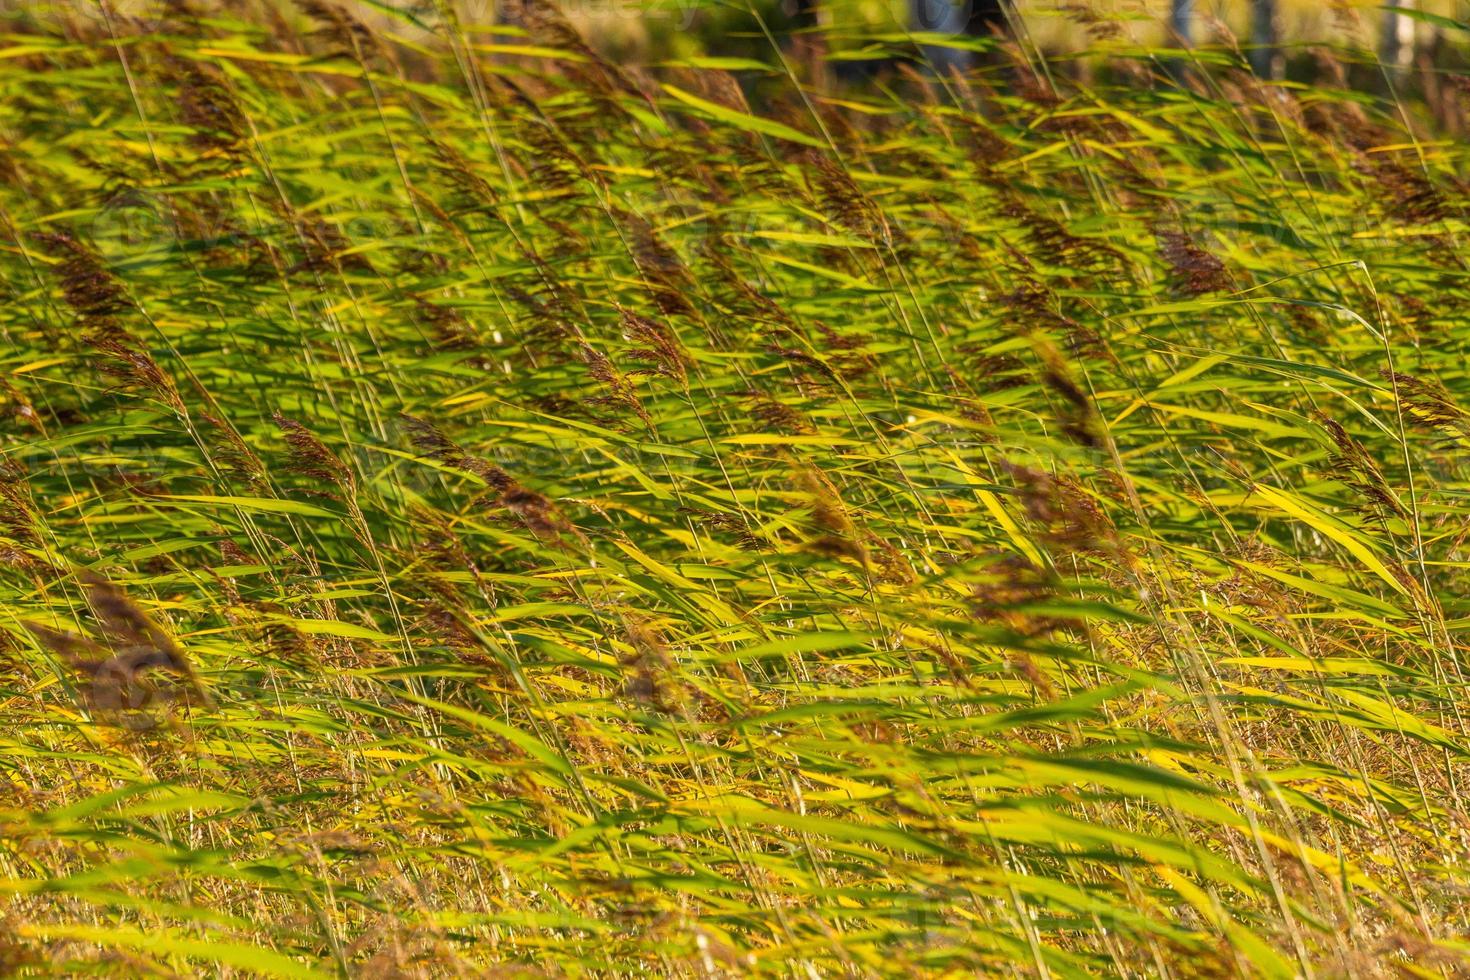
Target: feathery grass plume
(88,287)
(966,405)
(268,623)
(1070,518)
(234,455)
(548,308)
(276,636)
(440,623)
(776,416)
(664,273)
(1252,587)
(1028,80)
(208,107)
(1331,72)
(619,392)
(893,567)
(1079,418)
(990,372)
(19,524)
(834,533)
(309,457)
(687,176)
(1408,193)
(1429,403)
(842,201)
(660,346)
(1192,270)
(450,328)
(1344,124)
(548,25)
(473,190)
(810,371)
(1350,462)
(11,171)
(1040,317)
(757,169)
(437,545)
(552,164)
(435,445)
(1016,594)
(124,622)
(845,351)
(1059,247)
(132,365)
(733,293)
(537,513)
(984,147)
(325,249)
(650,670)
(568,242)
(340,27)
(736,527)
(119,685)
(1099,26)
(719,87)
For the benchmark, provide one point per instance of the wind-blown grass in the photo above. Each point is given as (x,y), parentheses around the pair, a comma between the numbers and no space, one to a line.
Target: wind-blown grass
(469,506)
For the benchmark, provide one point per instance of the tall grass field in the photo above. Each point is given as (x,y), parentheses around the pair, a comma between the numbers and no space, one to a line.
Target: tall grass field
(473,507)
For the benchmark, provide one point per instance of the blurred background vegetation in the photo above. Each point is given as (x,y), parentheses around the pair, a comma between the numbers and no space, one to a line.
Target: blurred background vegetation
(649,30)
(1410,50)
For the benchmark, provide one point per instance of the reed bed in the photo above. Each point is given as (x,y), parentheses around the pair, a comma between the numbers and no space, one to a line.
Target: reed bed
(469,507)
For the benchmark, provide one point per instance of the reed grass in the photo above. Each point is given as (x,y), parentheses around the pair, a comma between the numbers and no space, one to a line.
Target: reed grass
(477,508)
